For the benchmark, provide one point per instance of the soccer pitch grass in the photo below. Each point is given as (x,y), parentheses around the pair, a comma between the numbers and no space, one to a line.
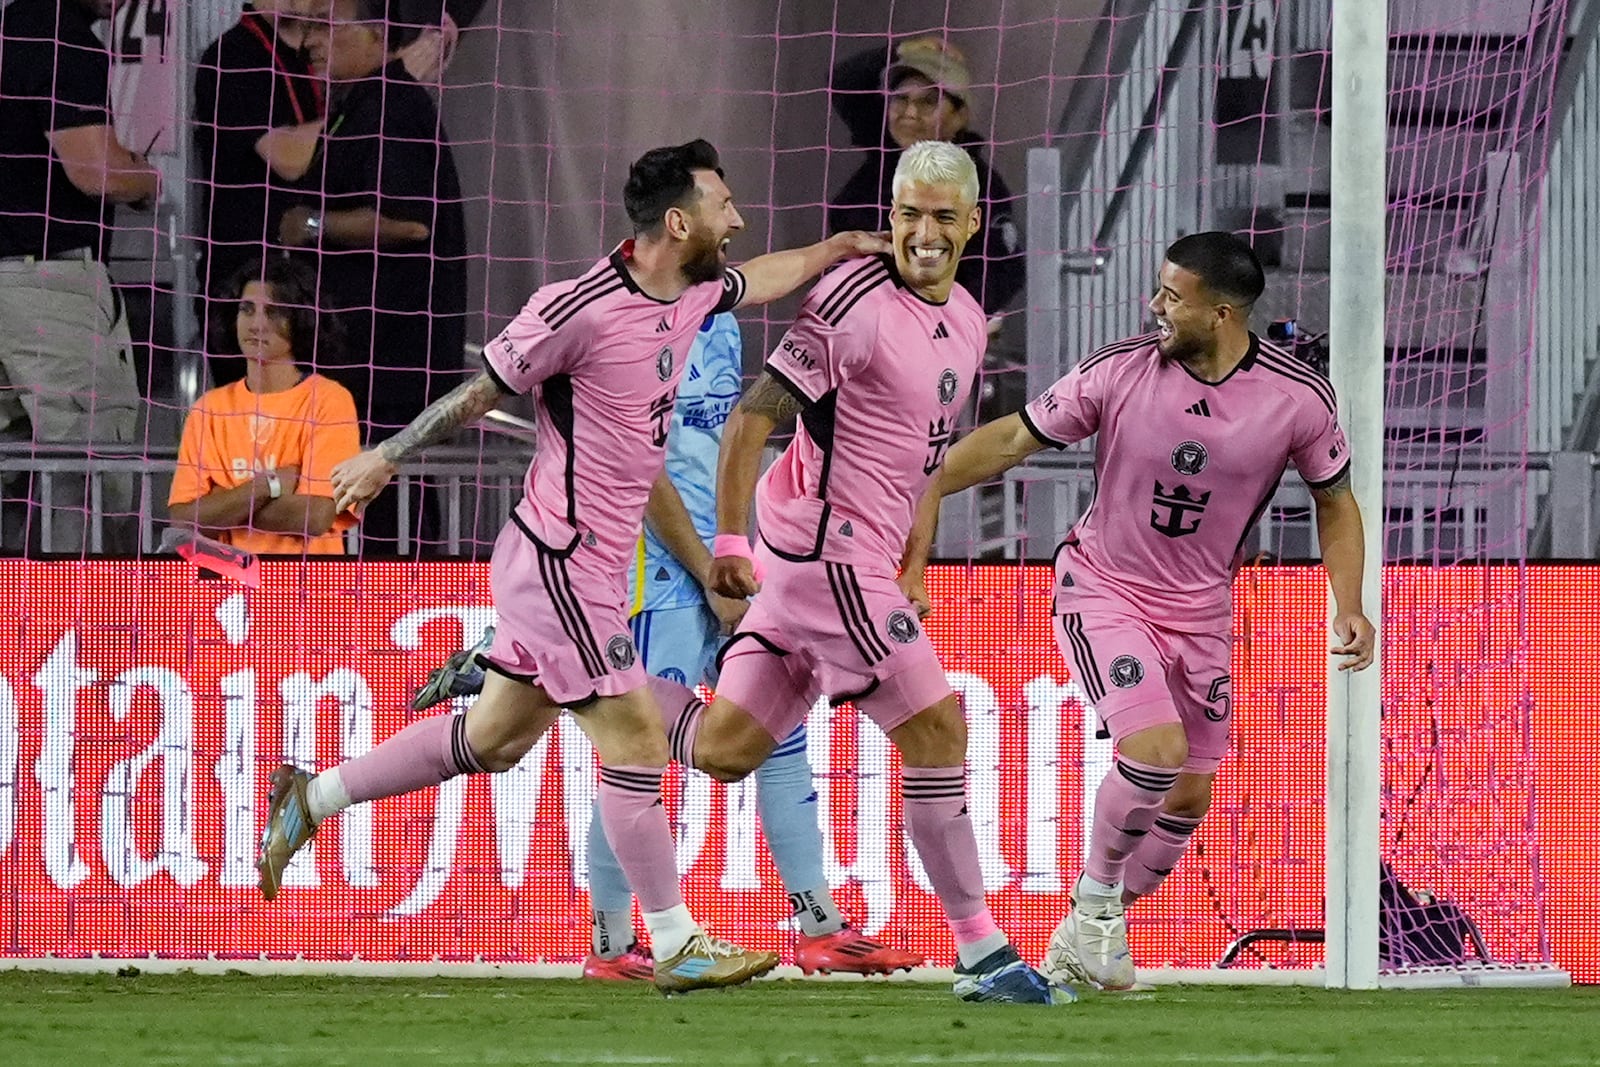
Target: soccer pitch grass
(54,1019)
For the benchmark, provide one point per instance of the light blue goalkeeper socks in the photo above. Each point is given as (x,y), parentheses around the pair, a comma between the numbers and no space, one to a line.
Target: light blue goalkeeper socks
(786,798)
(611,899)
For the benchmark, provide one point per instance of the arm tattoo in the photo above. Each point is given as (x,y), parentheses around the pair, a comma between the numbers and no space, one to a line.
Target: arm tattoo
(1329,493)
(462,406)
(770,399)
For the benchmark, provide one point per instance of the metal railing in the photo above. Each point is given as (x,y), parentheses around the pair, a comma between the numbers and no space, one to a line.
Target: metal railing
(475,486)
(1140,186)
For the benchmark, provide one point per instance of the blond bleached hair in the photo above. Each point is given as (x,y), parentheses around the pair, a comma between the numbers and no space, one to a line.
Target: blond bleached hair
(937,163)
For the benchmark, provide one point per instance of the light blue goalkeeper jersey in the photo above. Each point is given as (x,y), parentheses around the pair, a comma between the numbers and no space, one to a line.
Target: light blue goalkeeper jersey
(707,393)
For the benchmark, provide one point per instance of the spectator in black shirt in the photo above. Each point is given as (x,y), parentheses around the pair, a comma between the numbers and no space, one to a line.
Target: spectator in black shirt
(66,358)
(918,91)
(388,227)
(258,112)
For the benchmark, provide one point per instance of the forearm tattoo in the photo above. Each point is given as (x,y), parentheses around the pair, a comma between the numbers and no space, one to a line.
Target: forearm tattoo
(770,399)
(462,406)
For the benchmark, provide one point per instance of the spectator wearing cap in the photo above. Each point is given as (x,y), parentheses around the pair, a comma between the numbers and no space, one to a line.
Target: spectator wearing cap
(892,98)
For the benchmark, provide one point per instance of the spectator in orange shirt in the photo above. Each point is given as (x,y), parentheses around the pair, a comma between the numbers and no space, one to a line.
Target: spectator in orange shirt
(256,454)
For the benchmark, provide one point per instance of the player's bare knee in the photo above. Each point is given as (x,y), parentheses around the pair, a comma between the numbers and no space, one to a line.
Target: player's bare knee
(1190,798)
(1156,746)
(934,737)
(502,757)
(730,744)
(727,767)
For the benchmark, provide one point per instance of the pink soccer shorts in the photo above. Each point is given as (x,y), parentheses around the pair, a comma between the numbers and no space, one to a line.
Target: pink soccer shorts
(1138,675)
(829,628)
(574,646)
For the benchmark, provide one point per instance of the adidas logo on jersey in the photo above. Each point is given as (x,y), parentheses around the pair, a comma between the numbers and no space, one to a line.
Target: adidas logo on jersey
(939,332)
(1202,409)
(662,327)
(846,530)
(694,372)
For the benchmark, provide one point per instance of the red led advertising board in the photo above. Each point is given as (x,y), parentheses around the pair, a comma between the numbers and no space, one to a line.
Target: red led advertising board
(141,710)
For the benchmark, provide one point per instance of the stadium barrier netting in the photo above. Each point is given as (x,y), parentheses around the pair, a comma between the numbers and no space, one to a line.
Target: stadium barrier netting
(141,709)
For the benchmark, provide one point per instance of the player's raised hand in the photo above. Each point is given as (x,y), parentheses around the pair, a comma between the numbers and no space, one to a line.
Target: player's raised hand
(733,576)
(358,480)
(916,590)
(860,243)
(1356,638)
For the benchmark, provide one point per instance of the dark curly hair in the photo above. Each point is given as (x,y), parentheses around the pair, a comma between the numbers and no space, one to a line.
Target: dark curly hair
(292,287)
(663,178)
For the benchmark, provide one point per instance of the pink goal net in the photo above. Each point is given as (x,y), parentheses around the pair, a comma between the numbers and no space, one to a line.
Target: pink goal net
(394,191)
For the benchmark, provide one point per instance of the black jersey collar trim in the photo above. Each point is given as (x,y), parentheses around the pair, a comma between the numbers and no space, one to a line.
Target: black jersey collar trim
(619,263)
(1244,364)
(900,283)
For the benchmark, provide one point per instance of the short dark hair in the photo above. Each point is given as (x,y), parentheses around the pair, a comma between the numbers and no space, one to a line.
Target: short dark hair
(292,285)
(1224,262)
(663,178)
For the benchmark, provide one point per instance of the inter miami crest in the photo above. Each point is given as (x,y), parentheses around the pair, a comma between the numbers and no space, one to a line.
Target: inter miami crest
(902,627)
(947,386)
(619,652)
(1126,672)
(1189,458)
(664,363)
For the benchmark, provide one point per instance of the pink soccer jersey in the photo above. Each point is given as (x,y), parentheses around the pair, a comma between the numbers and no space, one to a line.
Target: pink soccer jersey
(602,361)
(884,375)
(1183,470)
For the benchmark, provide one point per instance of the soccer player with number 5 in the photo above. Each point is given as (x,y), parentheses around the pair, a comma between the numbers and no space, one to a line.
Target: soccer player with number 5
(1196,424)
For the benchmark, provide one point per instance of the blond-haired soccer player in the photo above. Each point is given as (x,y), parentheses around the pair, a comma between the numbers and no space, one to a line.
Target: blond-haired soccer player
(1195,425)
(878,367)
(601,356)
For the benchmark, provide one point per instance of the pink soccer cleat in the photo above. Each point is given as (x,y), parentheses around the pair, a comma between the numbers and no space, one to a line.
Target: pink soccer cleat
(849,951)
(634,965)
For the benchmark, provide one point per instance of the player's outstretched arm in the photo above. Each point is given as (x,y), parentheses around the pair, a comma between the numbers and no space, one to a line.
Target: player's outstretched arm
(777,274)
(1339,531)
(987,451)
(991,449)
(359,479)
(765,405)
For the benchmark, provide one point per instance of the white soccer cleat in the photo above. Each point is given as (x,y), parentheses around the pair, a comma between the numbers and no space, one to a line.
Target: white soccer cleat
(1090,944)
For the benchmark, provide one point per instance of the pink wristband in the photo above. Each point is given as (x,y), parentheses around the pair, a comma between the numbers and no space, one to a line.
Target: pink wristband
(737,545)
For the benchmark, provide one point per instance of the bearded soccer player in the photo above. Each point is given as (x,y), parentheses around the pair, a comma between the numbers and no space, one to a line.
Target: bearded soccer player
(678,626)
(601,356)
(878,366)
(1197,423)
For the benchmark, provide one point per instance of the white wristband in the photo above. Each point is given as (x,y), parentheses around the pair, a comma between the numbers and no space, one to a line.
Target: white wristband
(274,486)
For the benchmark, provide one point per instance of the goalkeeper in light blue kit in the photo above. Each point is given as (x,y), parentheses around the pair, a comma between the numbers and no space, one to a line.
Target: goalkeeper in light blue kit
(678,626)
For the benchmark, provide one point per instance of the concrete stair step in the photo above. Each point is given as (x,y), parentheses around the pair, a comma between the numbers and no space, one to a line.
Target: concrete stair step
(1460,76)
(1421,239)
(1427,166)
(1425,311)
